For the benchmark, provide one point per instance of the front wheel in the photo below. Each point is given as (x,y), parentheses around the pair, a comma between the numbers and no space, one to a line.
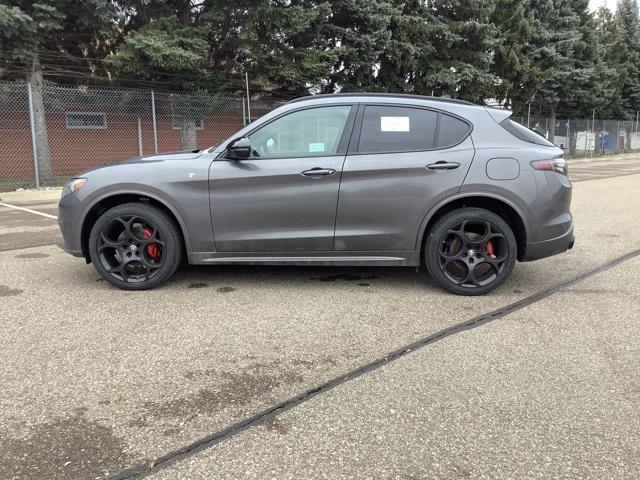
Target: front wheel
(135,246)
(470,251)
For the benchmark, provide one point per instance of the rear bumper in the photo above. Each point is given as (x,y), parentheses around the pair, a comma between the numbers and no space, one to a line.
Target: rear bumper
(547,248)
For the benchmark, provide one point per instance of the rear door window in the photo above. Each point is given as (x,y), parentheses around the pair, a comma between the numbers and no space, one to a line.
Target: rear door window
(389,129)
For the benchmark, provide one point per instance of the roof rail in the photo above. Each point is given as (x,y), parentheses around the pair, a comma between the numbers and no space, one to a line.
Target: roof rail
(383,95)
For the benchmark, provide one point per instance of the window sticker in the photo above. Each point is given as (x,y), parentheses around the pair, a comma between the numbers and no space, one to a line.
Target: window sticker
(316,147)
(395,124)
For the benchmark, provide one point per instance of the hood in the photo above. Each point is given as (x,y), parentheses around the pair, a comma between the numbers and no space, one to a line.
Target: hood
(156,158)
(162,157)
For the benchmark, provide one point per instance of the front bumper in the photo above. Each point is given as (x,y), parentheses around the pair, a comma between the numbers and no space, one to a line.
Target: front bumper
(69,210)
(547,248)
(75,253)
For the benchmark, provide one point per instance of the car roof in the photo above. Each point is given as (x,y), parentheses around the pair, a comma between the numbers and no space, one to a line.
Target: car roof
(384,95)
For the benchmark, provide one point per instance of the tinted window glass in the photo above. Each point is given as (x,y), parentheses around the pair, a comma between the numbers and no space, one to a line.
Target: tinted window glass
(312,132)
(452,131)
(397,129)
(524,133)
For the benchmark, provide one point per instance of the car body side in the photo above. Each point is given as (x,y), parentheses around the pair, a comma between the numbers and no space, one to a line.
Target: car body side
(535,202)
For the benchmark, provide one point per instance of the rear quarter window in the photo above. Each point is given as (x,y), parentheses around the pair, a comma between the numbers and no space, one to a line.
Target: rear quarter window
(452,131)
(524,133)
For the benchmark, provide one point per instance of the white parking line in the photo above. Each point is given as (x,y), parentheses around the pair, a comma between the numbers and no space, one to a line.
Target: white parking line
(35,212)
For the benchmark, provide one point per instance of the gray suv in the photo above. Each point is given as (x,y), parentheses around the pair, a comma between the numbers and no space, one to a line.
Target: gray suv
(349,179)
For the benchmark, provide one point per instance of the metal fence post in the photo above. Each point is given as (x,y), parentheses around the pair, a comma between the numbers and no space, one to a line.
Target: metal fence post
(140,137)
(586,139)
(246,75)
(244,114)
(33,136)
(153,117)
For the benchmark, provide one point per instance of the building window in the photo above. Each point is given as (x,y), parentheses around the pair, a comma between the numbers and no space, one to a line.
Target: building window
(177,123)
(86,120)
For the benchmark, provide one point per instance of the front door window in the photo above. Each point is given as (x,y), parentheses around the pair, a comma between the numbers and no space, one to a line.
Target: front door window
(315,132)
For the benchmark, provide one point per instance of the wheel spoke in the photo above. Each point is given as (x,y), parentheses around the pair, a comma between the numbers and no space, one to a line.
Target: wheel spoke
(149,265)
(151,240)
(115,269)
(127,225)
(471,276)
(106,243)
(121,270)
(492,236)
(449,258)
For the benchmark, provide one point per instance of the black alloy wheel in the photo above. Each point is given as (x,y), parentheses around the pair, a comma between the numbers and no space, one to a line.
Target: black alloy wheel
(135,246)
(470,251)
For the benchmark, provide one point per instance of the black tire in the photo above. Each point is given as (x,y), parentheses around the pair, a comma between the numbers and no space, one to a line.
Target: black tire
(135,246)
(481,233)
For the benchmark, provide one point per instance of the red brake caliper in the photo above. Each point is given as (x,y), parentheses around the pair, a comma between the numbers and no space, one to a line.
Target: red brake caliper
(489,249)
(153,249)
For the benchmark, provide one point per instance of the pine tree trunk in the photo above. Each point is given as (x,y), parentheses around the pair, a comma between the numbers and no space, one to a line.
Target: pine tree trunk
(188,134)
(39,115)
(552,125)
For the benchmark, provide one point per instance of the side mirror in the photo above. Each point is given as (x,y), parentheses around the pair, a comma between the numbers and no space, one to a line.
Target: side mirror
(239,149)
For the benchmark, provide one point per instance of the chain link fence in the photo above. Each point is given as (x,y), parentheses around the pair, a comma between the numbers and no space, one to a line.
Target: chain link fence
(16,150)
(53,133)
(588,138)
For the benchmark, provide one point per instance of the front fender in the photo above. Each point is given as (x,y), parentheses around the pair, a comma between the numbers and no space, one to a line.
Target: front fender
(141,190)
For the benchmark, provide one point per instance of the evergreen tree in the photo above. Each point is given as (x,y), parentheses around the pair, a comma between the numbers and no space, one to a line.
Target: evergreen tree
(566,52)
(164,51)
(611,39)
(590,78)
(408,61)
(284,46)
(359,34)
(462,61)
(516,74)
(627,16)
(555,54)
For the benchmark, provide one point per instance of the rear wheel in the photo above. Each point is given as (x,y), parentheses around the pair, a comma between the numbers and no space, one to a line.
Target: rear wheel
(470,251)
(135,246)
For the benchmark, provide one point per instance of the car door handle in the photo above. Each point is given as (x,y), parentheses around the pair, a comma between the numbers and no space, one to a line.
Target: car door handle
(443,166)
(318,172)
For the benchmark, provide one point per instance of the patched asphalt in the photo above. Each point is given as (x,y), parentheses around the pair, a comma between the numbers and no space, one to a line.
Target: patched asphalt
(19,229)
(96,380)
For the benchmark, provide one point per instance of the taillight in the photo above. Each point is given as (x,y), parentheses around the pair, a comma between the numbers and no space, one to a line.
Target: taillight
(558,165)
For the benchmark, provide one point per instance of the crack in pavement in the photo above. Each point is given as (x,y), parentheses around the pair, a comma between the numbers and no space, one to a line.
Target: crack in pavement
(154,465)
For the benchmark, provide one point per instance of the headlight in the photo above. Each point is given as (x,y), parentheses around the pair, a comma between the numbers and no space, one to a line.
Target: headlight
(73,185)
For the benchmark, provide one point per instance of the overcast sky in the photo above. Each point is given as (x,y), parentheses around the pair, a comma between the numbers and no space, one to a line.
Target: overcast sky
(598,3)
